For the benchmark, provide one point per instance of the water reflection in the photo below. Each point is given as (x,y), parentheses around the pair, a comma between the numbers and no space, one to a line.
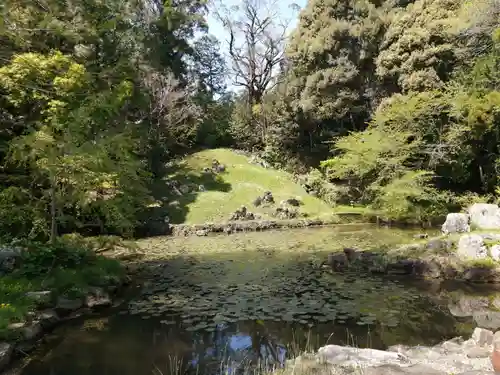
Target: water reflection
(233,353)
(128,345)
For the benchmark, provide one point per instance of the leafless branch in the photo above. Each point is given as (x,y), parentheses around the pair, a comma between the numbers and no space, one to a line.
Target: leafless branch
(170,106)
(256,44)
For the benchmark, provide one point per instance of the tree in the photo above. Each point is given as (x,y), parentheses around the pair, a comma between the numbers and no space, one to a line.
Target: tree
(170,118)
(331,75)
(256,45)
(421,48)
(66,146)
(208,67)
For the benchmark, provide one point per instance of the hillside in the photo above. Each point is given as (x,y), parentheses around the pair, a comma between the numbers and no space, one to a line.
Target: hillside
(226,192)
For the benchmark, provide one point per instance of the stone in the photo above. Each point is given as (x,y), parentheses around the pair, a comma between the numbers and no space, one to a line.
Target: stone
(338,261)
(487,319)
(351,254)
(201,188)
(202,233)
(43,298)
(97,297)
(29,331)
(471,246)
(6,351)
(495,252)
(184,189)
(398,370)
(268,197)
(451,346)
(496,338)
(439,245)
(482,337)
(490,236)
(293,202)
(456,223)
(478,372)
(484,216)
(68,304)
(284,213)
(467,305)
(347,356)
(478,352)
(257,201)
(429,268)
(48,318)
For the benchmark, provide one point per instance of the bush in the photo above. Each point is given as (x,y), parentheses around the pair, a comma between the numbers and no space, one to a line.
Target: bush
(331,193)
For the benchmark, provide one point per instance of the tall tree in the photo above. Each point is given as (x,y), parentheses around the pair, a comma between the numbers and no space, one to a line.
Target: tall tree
(256,41)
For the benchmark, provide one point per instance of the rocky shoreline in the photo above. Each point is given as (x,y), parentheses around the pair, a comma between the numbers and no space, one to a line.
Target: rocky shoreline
(472,257)
(50,313)
(452,357)
(201,230)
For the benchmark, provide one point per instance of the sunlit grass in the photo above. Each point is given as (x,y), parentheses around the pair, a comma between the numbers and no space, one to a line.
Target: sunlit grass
(245,182)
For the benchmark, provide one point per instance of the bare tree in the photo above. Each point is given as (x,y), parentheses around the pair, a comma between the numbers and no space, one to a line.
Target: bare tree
(172,115)
(256,41)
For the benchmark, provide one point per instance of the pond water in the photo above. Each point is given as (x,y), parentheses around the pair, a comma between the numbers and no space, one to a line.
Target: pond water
(224,311)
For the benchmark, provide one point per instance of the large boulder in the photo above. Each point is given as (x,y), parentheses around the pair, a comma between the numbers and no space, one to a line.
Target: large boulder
(456,223)
(487,319)
(471,246)
(484,216)
(347,356)
(466,305)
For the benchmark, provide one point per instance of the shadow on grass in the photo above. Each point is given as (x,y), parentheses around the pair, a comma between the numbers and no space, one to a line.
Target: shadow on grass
(173,203)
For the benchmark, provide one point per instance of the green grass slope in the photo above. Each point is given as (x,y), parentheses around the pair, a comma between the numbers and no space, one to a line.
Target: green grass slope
(239,185)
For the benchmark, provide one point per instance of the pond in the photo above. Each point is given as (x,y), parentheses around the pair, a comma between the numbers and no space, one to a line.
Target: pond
(222,304)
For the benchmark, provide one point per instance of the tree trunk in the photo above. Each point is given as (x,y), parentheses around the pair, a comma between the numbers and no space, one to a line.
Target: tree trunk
(53,212)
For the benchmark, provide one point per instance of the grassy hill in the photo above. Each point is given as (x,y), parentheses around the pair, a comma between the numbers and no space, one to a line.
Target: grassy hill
(224,193)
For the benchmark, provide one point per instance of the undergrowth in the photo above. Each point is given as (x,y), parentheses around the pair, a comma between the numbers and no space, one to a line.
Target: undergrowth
(69,267)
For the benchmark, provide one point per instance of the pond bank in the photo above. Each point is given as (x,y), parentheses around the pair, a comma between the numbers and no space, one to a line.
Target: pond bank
(42,285)
(471,257)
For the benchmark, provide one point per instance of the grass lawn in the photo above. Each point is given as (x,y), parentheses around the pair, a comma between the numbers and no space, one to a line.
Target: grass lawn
(238,186)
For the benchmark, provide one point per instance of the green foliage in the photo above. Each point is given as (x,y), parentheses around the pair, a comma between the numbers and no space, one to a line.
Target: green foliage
(21,215)
(67,267)
(15,304)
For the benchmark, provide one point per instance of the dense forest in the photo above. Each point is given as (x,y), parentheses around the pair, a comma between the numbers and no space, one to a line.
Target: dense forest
(394,104)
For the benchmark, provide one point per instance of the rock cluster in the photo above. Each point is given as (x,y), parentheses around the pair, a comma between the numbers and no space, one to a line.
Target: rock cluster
(285,212)
(216,167)
(456,356)
(482,216)
(267,198)
(483,310)
(473,258)
(242,214)
(245,226)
